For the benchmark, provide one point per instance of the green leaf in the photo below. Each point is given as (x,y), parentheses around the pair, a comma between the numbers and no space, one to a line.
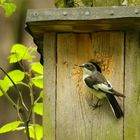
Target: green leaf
(60,4)
(20,128)
(38,81)
(37,67)
(38,108)
(20,52)
(9,8)
(10,0)
(10,126)
(87,3)
(2,1)
(41,94)
(4,85)
(15,75)
(39,97)
(38,131)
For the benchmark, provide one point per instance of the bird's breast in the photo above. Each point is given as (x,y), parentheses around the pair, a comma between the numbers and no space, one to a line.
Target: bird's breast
(85,76)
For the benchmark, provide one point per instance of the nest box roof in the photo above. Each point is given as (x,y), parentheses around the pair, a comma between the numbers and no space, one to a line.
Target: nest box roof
(117,18)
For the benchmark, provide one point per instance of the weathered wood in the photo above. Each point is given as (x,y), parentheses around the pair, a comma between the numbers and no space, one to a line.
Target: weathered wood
(112,58)
(71,122)
(49,86)
(132,87)
(83,19)
(108,50)
(75,119)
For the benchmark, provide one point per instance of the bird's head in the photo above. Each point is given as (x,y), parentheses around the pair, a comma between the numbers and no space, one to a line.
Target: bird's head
(88,68)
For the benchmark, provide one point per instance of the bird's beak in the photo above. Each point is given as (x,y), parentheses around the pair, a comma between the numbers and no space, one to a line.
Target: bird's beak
(82,66)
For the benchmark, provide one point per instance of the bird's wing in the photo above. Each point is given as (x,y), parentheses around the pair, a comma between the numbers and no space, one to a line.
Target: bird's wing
(103,87)
(98,82)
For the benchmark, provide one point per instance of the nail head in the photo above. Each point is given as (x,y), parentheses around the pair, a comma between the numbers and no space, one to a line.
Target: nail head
(35,14)
(111,13)
(65,13)
(136,11)
(87,13)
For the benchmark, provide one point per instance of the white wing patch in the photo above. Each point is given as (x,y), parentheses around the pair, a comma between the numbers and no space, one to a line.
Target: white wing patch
(109,83)
(103,87)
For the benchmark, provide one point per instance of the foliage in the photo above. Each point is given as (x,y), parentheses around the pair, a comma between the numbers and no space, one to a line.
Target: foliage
(20,52)
(28,78)
(39,131)
(6,83)
(92,3)
(33,77)
(10,126)
(8,6)
(73,3)
(88,3)
(38,108)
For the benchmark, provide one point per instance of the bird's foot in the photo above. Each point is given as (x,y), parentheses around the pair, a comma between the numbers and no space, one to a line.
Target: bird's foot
(94,106)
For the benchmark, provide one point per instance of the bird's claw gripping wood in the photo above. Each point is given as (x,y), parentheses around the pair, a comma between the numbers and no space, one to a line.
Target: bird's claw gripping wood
(94,106)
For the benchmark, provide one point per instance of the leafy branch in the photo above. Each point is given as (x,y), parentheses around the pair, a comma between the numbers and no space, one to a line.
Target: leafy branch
(30,78)
(8,98)
(8,6)
(19,93)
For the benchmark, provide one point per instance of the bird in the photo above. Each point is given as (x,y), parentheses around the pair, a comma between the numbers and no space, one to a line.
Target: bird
(95,80)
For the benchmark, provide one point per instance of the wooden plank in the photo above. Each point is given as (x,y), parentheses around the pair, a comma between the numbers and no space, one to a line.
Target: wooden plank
(71,106)
(49,86)
(75,118)
(83,19)
(132,87)
(108,49)
(86,13)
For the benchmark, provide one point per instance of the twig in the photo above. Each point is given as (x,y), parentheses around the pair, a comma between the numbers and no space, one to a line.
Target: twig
(20,95)
(8,98)
(27,129)
(32,105)
(23,116)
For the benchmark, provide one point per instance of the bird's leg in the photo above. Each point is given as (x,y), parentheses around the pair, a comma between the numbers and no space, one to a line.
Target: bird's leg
(96,105)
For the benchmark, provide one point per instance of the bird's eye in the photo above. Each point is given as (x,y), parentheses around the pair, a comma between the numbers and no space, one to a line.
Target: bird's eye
(88,65)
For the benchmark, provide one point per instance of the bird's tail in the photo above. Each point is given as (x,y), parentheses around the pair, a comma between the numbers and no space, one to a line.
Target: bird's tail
(116,93)
(114,105)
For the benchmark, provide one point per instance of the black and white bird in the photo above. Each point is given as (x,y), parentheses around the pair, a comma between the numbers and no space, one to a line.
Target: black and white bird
(95,80)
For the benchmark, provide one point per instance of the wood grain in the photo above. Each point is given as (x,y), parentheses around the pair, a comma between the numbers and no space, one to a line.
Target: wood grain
(49,86)
(83,19)
(132,87)
(73,49)
(108,49)
(75,118)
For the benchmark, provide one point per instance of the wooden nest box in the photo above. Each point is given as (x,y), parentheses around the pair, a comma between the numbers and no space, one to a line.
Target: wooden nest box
(70,37)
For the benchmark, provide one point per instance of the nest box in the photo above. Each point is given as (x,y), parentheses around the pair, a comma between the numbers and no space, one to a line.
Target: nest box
(69,37)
